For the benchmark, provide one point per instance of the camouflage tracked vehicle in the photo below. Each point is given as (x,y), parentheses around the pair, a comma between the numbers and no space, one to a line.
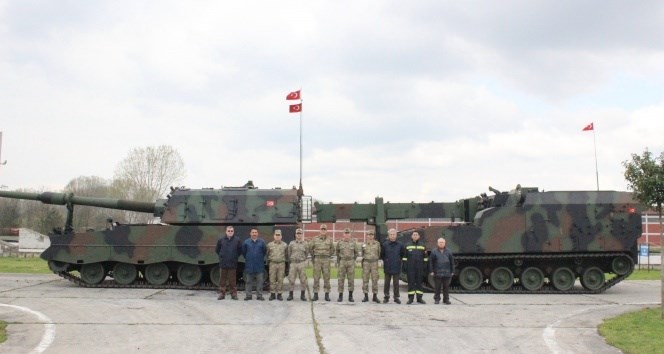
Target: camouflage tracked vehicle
(179,252)
(521,241)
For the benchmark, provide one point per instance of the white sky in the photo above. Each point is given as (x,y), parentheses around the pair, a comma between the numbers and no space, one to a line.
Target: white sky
(409,100)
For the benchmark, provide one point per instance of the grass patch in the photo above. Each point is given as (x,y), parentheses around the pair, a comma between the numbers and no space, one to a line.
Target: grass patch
(644,274)
(34,265)
(3,331)
(635,332)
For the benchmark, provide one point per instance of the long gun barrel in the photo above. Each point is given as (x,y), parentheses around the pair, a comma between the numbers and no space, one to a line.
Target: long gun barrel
(69,198)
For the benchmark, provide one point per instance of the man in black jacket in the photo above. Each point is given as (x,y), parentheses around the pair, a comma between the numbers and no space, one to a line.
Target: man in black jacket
(229,249)
(392,253)
(441,267)
(416,260)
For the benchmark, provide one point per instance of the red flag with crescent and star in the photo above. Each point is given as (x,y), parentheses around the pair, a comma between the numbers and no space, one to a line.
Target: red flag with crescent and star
(295,95)
(589,127)
(295,108)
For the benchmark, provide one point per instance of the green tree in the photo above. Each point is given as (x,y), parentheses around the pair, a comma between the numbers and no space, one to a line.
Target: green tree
(645,175)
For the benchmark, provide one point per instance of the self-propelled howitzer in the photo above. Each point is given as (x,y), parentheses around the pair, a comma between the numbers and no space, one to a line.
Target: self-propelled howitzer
(520,241)
(176,252)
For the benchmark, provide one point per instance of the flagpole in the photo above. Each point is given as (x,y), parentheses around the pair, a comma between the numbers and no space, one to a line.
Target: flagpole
(596,171)
(301,100)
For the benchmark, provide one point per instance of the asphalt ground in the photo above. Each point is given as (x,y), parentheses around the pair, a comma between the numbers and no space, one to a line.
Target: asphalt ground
(48,314)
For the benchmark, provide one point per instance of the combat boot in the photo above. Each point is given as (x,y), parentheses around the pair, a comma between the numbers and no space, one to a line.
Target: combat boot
(327,296)
(375,299)
(272,297)
(315,297)
(341,297)
(279,297)
(302,297)
(410,299)
(420,300)
(386,299)
(366,297)
(290,296)
(350,296)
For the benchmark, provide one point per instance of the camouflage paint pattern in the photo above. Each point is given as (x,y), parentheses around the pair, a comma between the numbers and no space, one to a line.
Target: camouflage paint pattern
(191,222)
(558,235)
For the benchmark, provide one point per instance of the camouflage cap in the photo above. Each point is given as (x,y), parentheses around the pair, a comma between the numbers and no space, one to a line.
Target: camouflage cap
(298,231)
(323,227)
(371,232)
(277,232)
(346,230)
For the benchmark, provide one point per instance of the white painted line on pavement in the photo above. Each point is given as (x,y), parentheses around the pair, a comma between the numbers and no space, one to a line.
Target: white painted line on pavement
(49,328)
(549,333)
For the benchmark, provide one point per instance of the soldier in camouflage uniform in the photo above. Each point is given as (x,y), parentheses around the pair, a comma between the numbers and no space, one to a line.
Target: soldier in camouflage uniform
(347,252)
(298,250)
(321,249)
(276,257)
(370,257)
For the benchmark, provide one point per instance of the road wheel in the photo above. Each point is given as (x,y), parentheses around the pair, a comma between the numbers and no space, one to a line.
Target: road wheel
(622,265)
(502,278)
(93,273)
(563,279)
(189,274)
(532,278)
(470,278)
(592,278)
(157,273)
(215,273)
(124,273)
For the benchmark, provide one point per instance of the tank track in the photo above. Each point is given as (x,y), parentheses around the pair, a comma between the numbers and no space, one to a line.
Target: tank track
(547,288)
(485,288)
(139,284)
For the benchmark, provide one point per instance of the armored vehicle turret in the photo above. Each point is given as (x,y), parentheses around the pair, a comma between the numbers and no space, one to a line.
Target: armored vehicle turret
(523,240)
(176,252)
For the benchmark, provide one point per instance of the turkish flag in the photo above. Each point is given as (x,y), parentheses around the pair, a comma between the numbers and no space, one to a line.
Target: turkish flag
(589,127)
(295,95)
(295,108)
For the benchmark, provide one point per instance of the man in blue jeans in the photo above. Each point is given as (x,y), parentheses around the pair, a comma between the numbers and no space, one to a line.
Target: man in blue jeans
(253,250)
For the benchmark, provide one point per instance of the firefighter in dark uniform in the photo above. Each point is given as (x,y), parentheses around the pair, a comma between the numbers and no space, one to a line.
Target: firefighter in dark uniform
(416,260)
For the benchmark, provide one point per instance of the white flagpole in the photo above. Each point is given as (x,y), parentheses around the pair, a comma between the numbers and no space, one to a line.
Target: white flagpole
(595,145)
(301,107)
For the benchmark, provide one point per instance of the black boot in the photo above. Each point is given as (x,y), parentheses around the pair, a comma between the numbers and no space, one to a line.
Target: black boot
(279,297)
(366,297)
(386,299)
(420,300)
(410,299)
(350,296)
(315,297)
(327,296)
(341,297)
(302,297)
(290,296)
(375,299)
(272,297)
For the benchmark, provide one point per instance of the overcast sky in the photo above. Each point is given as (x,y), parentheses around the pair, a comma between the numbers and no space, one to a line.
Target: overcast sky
(409,100)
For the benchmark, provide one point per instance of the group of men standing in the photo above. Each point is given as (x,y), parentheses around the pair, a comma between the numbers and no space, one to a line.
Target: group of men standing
(322,249)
